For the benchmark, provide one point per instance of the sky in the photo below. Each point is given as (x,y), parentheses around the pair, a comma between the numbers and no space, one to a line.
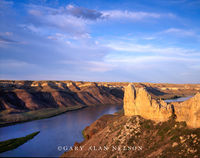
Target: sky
(100,40)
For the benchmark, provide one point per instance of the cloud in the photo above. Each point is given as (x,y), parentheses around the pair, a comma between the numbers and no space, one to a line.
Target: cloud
(149,38)
(178,31)
(31,27)
(46,18)
(84,13)
(72,42)
(120,14)
(74,20)
(155,68)
(142,48)
(6,40)
(149,59)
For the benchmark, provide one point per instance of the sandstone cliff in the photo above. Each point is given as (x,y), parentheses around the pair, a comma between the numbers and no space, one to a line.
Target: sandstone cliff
(189,111)
(137,101)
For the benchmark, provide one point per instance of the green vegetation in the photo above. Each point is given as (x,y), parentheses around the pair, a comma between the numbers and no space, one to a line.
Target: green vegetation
(83,133)
(9,119)
(14,143)
(147,124)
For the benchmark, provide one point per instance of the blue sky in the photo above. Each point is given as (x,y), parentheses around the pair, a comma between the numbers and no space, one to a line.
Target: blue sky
(100,40)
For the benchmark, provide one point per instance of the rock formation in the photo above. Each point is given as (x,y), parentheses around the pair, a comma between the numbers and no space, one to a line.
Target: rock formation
(137,101)
(189,111)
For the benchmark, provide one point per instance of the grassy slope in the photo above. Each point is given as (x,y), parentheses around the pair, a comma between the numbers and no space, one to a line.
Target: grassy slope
(9,119)
(14,143)
(168,139)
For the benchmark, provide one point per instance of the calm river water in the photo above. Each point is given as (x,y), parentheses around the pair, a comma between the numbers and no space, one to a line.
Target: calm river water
(62,130)
(178,99)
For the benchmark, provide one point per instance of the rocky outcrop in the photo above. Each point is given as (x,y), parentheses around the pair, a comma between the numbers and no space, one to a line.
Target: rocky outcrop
(137,101)
(189,111)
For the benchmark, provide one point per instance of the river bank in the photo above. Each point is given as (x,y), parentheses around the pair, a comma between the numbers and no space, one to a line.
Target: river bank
(16,142)
(7,119)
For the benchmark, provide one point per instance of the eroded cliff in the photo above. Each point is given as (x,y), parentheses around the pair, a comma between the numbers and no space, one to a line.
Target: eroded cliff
(137,101)
(33,95)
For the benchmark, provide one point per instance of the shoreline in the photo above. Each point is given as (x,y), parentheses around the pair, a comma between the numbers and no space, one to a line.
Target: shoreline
(67,109)
(14,143)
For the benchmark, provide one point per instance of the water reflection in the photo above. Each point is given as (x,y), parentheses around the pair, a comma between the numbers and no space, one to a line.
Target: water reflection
(57,131)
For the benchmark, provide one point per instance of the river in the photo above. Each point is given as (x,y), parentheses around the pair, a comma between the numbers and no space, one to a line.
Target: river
(178,99)
(61,130)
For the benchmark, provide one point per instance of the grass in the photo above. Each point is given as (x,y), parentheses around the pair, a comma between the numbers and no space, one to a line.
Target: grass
(10,119)
(14,143)
(83,134)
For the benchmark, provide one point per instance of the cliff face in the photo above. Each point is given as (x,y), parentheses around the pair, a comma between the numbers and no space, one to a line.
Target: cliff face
(189,111)
(33,95)
(137,101)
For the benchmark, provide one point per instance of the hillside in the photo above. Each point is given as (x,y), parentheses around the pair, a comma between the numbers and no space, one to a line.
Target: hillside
(33,95)
(122,136)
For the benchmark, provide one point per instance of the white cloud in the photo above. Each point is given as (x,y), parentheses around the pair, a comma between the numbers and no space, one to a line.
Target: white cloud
(178,31)
(74,20)
(148,59)
(33,28)
(115,14)
(54,20)
(134,15)
(149,38)
(142,48)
